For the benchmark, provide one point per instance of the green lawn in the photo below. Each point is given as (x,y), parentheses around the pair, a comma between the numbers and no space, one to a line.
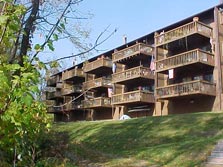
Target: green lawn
(171,141)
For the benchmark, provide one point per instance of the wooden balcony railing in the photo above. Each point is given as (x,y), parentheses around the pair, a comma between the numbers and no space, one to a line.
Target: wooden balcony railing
(52,81)
(132,73)
(53,95)
(53,109)
(71,89)
(49,102)
(72,106)
(101,62)
(59,85)
(183,31)
(138,48)
(99,82)
(97,102)
(76,72)
(134,96)
(187,88)
(186,58)
(67,107)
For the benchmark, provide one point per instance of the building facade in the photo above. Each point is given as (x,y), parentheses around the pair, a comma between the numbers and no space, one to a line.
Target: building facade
(176,69)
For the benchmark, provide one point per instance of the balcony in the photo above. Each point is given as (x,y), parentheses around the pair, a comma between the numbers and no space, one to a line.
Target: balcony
(97,102)
(138,96)
(52,81)
(72,106)
(187,58)
(138,73)
(136,49)
(101,65)
(59,85)
(72,89)
(53,109)
(73,73)
(53,95)
(194,27)
(197,87)
(96,83)
(49,102)
(68,107)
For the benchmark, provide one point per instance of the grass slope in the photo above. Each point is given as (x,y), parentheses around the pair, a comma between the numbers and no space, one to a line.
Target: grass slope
(176,140)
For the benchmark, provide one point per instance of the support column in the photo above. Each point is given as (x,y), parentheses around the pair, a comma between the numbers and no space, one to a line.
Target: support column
(217,57)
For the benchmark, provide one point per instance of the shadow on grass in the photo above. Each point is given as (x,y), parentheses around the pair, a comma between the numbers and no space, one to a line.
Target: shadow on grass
(177,140)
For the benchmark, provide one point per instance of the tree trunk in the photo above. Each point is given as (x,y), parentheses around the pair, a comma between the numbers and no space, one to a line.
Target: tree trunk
(25,44)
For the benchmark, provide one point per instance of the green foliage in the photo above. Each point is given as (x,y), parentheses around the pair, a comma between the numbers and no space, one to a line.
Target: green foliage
(11,20)
(50,45)
(23,117)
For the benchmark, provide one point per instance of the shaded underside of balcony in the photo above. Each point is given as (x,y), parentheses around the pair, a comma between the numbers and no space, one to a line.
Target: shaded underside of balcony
(101,71)
(71,93)
(103,88)
(134,103)
(191,104)
(53,96)
(136,57)
(135,81)
(51,82)
(75,79)
(186,95)
(188,67)
(141,108)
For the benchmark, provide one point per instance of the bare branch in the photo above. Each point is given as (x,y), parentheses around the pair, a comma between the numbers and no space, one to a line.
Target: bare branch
(53,29)
(5,28)
(96,44)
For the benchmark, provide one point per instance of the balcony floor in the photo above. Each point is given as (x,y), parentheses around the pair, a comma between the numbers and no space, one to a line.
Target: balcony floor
(133,103)
(99,107)
(186,95)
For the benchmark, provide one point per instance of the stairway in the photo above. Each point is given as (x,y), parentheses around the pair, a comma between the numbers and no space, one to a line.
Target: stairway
(216,157)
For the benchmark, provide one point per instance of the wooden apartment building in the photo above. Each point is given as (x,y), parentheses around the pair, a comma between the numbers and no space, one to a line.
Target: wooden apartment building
(176,69)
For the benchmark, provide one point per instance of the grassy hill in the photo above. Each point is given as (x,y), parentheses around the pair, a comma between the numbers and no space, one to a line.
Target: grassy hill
(170,141)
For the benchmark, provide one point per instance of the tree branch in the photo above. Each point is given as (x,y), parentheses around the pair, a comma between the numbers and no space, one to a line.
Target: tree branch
(52,30)
(6,24)
(96,44)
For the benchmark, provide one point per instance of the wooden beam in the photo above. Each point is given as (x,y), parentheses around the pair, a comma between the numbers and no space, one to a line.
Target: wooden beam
(217,55)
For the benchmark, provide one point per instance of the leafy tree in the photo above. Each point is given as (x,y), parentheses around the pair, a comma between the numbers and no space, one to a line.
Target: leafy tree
(23,116)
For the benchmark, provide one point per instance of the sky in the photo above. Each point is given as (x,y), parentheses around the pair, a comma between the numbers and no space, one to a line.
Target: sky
(132,18)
